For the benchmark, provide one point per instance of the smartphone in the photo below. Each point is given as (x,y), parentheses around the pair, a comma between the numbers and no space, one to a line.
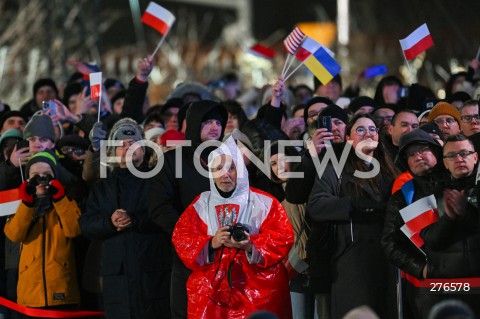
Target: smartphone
(22,143)
(325,122)
(49,105)
(478,54)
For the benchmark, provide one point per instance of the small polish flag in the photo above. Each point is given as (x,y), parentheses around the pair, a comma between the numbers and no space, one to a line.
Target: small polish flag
(293,40)
(262,51)
(420,214)
(9,202)
(414,237)
(308,47)
(158,18)
(95,84)
(417,42)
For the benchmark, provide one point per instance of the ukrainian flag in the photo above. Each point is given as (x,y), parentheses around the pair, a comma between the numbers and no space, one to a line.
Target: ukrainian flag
(322,65)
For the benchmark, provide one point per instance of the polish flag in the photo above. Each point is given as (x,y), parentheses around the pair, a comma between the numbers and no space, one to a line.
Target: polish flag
(95,85)
(414,237)
(158,18)
(420,214)
(417,42)
(293,40)
(9,202)
(262,51)
(308,47)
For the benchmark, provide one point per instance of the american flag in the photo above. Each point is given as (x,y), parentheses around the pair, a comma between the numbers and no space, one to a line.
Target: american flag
(293,40)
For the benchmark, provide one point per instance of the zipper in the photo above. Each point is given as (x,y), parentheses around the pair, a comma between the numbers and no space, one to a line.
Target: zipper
(43,261)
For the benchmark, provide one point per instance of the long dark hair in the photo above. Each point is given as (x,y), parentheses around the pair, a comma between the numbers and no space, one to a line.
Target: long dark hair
(388,171)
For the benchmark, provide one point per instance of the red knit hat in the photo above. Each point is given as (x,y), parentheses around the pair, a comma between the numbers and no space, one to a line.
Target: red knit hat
(172,135)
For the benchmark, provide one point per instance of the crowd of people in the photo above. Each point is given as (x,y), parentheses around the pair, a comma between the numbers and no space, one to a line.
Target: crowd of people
(215,204)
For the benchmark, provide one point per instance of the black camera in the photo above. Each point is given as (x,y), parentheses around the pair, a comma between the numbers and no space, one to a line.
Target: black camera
(237,231)
(40,180)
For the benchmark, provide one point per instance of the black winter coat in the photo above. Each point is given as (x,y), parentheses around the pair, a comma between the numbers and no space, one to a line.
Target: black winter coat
(361,274)
(453,246)
(399,249)
(136,262)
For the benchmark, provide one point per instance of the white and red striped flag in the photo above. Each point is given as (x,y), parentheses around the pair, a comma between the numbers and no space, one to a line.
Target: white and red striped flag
(262,51)
(414,237)
(9,202)
(293,40)
(308,47)
(158,18)
(417,42)
(95,85)
(420,214)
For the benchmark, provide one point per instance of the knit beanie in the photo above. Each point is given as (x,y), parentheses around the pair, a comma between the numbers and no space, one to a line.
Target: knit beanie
(315,100)
(11,133)
(171,135)
(45,157)
(40,125)
(444,108)
(124,129)
(361,101)
(335,111)
(214,114)
(44,82)
(10,114)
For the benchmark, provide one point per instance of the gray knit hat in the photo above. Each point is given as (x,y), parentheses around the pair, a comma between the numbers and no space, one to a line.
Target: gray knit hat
(40,125)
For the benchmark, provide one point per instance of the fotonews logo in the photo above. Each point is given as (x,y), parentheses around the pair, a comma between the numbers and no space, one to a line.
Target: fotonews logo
(106,158)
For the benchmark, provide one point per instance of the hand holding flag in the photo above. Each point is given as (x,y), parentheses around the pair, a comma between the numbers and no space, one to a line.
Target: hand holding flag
(159,19)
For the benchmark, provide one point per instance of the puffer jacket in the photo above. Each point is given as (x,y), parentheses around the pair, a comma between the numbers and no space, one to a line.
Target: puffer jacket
(47,271)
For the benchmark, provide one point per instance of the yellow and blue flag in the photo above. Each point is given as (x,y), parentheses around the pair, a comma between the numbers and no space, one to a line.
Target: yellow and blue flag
(322,65)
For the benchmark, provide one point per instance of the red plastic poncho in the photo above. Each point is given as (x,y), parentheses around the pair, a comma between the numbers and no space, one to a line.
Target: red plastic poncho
(235,284)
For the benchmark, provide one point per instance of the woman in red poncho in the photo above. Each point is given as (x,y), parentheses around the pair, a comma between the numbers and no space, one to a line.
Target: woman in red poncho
(233,278)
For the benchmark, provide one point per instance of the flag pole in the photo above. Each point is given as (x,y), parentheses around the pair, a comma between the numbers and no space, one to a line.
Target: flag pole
(99,102)
(291,62)
(408,66)
(285,64)
(288,76)
(160,43)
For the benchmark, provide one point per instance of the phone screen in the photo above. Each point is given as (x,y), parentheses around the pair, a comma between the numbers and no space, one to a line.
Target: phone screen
(325,122)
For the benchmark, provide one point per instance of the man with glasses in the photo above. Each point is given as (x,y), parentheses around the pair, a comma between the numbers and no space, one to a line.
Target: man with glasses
(447,118)
(470,123)
(452,243)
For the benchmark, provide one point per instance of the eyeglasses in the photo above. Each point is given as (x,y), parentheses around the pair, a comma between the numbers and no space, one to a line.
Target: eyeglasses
(452,156)
(67,150)
(469,118)
(361,131)
(416,151)
(449,122)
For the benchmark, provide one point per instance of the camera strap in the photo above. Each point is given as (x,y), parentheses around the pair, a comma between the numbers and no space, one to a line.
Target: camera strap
(230,266)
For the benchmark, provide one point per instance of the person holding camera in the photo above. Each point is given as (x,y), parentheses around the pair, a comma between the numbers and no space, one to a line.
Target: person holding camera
(234,239)
(45,224)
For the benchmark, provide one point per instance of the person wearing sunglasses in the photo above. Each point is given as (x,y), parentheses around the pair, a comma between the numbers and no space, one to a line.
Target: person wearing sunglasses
(470,117)
(447,118)
(355,206)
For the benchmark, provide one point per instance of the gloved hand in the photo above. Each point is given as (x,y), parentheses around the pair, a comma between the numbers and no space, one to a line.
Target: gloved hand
(98,133)
(27,190)
(56,189)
